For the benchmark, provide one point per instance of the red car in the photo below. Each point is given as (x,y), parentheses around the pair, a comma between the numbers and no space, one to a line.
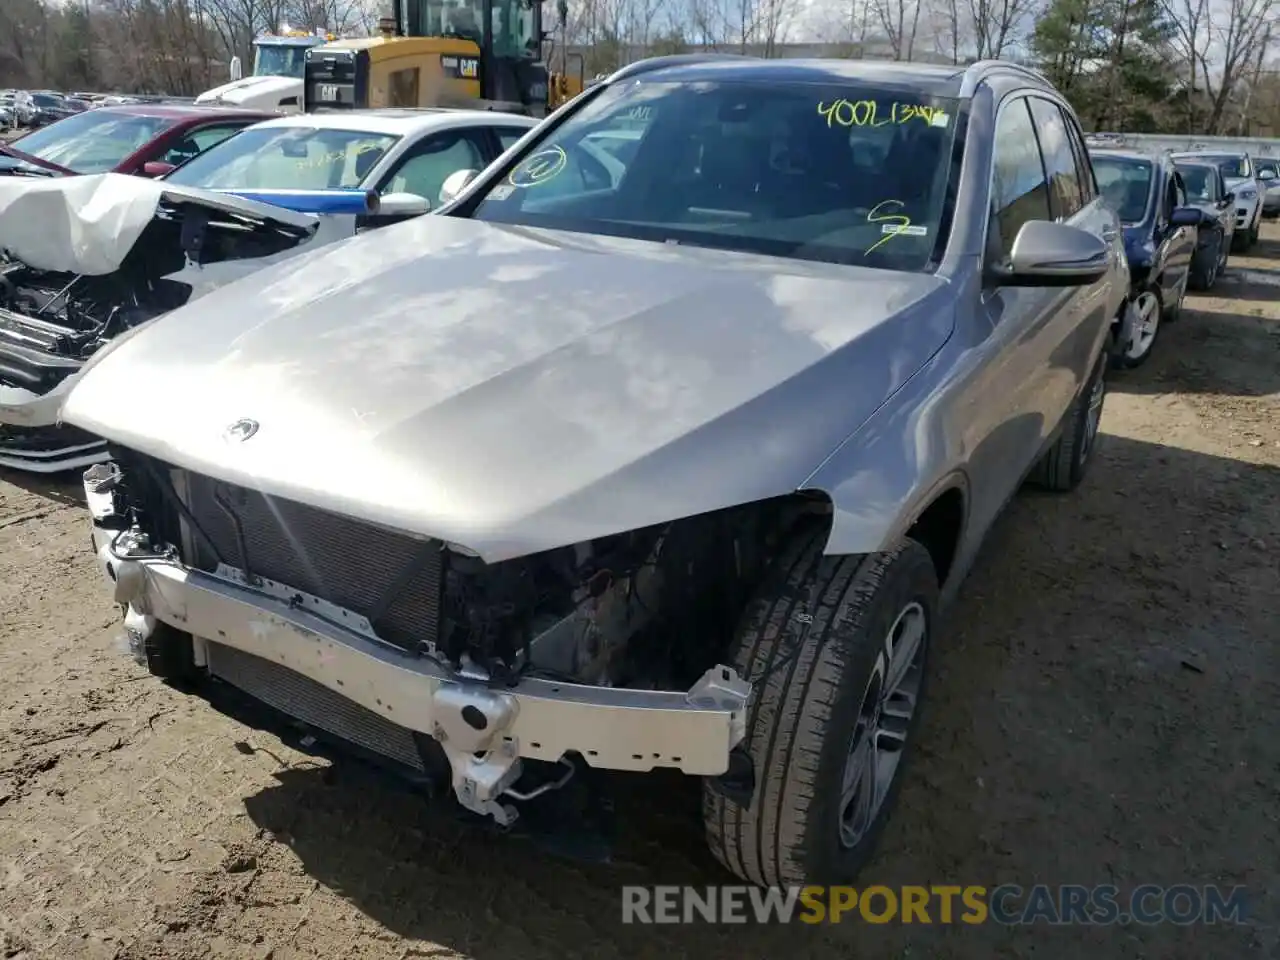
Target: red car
(140,138)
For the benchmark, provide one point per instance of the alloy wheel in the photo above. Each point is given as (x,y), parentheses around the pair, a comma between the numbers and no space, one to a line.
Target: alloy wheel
(888,706)
(1146,321)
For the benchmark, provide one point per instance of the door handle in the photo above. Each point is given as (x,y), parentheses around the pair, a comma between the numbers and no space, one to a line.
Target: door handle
(1109,234)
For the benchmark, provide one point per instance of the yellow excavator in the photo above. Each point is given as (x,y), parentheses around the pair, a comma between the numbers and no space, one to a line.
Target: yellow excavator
(482,54)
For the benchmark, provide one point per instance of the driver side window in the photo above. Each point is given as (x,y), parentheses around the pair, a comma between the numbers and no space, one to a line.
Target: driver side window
(426,167)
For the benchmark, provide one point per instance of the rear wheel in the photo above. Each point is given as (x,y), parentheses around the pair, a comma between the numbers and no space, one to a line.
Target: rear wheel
(1147,315)
(837,649)
(1206,275)
(1063,466)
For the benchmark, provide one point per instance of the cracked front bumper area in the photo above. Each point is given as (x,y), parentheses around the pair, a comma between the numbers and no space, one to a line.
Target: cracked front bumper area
(31,438)
(53,449)
(485,730)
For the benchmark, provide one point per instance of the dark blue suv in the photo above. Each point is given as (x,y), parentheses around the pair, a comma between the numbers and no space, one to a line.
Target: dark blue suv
(1160,233)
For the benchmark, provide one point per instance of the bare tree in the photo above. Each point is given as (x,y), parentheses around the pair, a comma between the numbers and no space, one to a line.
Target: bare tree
(995,25)
(900,20)
(949,36)
(1191,38)
(1238,33)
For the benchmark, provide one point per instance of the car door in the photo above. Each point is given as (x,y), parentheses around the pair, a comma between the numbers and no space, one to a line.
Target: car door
(1076,322)
(1226,208)
(1174,245)
(424,167)
(1005,427)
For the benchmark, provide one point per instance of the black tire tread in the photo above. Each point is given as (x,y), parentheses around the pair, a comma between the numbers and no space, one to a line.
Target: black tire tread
(1059,469)
(792,706)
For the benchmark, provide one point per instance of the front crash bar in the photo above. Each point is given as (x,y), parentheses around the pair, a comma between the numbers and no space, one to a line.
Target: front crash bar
(610,727)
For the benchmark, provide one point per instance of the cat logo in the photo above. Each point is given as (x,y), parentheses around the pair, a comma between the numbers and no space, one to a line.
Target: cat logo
(468,68)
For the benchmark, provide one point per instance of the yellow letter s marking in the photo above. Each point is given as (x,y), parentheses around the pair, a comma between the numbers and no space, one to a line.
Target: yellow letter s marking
(901,220)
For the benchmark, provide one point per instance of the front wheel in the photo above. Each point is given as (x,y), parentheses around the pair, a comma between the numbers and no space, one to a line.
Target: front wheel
(836,648)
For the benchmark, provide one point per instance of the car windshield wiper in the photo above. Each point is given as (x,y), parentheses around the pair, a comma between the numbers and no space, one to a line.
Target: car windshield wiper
(33,161)
(27,170)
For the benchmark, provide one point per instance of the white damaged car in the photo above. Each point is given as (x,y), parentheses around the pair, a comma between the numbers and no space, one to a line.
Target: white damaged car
(84,259)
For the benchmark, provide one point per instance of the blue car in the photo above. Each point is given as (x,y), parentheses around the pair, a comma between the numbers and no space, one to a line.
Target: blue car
(1160,235)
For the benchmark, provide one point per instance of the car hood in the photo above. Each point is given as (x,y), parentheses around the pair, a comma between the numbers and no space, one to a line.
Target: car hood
(88,224)
(514,390)
(1235,183)
(241,91)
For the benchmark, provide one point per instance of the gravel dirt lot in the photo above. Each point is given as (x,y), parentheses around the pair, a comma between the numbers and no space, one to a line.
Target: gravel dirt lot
(1103,711)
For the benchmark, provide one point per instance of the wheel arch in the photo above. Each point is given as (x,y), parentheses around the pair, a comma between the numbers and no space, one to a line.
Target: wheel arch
(938,523)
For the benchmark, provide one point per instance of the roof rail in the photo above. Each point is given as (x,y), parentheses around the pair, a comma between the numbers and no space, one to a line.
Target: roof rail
(671,60)
(976,72)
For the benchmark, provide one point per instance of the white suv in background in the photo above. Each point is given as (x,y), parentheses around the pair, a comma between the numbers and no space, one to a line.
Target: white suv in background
(1239,173)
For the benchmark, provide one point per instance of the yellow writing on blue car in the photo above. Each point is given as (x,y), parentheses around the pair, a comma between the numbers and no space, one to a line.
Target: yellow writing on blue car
(868,113)
(539,168)
(893,223)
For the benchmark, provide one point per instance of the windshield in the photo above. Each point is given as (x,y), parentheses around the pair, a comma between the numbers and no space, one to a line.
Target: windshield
(514,30)
(271,158)
(93,141)
(1125,184)
(279,60)
(1271,165)
(1201,183)
(1230,166)
(845,174)
(44,100)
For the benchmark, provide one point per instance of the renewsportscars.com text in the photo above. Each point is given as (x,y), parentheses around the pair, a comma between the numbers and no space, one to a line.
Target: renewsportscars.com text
(1008,905)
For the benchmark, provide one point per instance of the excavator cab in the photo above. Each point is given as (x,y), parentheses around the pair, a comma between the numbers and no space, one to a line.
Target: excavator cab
(438,53)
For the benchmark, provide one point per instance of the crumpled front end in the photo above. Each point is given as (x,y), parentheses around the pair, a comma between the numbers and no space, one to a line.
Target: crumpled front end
(501,678)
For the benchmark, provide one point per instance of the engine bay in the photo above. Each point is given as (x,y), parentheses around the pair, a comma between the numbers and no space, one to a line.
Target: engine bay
(51,322)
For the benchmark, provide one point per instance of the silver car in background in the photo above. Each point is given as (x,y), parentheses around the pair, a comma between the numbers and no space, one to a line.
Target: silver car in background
(671,462)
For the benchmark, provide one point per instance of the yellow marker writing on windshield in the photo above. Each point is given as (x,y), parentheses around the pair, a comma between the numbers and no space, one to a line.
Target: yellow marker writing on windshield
(539,168)
(897,222)
(336,156)
(865,113)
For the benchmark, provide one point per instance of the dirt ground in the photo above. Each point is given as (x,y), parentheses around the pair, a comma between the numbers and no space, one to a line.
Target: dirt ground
(1104,710)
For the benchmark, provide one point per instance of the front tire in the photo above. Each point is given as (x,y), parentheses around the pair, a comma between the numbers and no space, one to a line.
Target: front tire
(837,650)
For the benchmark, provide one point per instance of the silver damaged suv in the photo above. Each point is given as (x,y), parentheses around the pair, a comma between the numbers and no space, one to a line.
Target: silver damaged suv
(664,444)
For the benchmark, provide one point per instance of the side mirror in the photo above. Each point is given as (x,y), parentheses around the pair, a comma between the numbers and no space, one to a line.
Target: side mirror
(237,71)
(402,205)
(157,168)
(1186,217)
(455,183)
(1047,254)
(1229,198)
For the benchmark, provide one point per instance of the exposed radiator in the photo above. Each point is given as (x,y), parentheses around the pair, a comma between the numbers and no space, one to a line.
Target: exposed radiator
(314,704)
(392,578)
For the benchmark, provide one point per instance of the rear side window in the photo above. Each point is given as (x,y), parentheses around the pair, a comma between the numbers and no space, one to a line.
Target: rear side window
(1019,191)
(1059,160)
